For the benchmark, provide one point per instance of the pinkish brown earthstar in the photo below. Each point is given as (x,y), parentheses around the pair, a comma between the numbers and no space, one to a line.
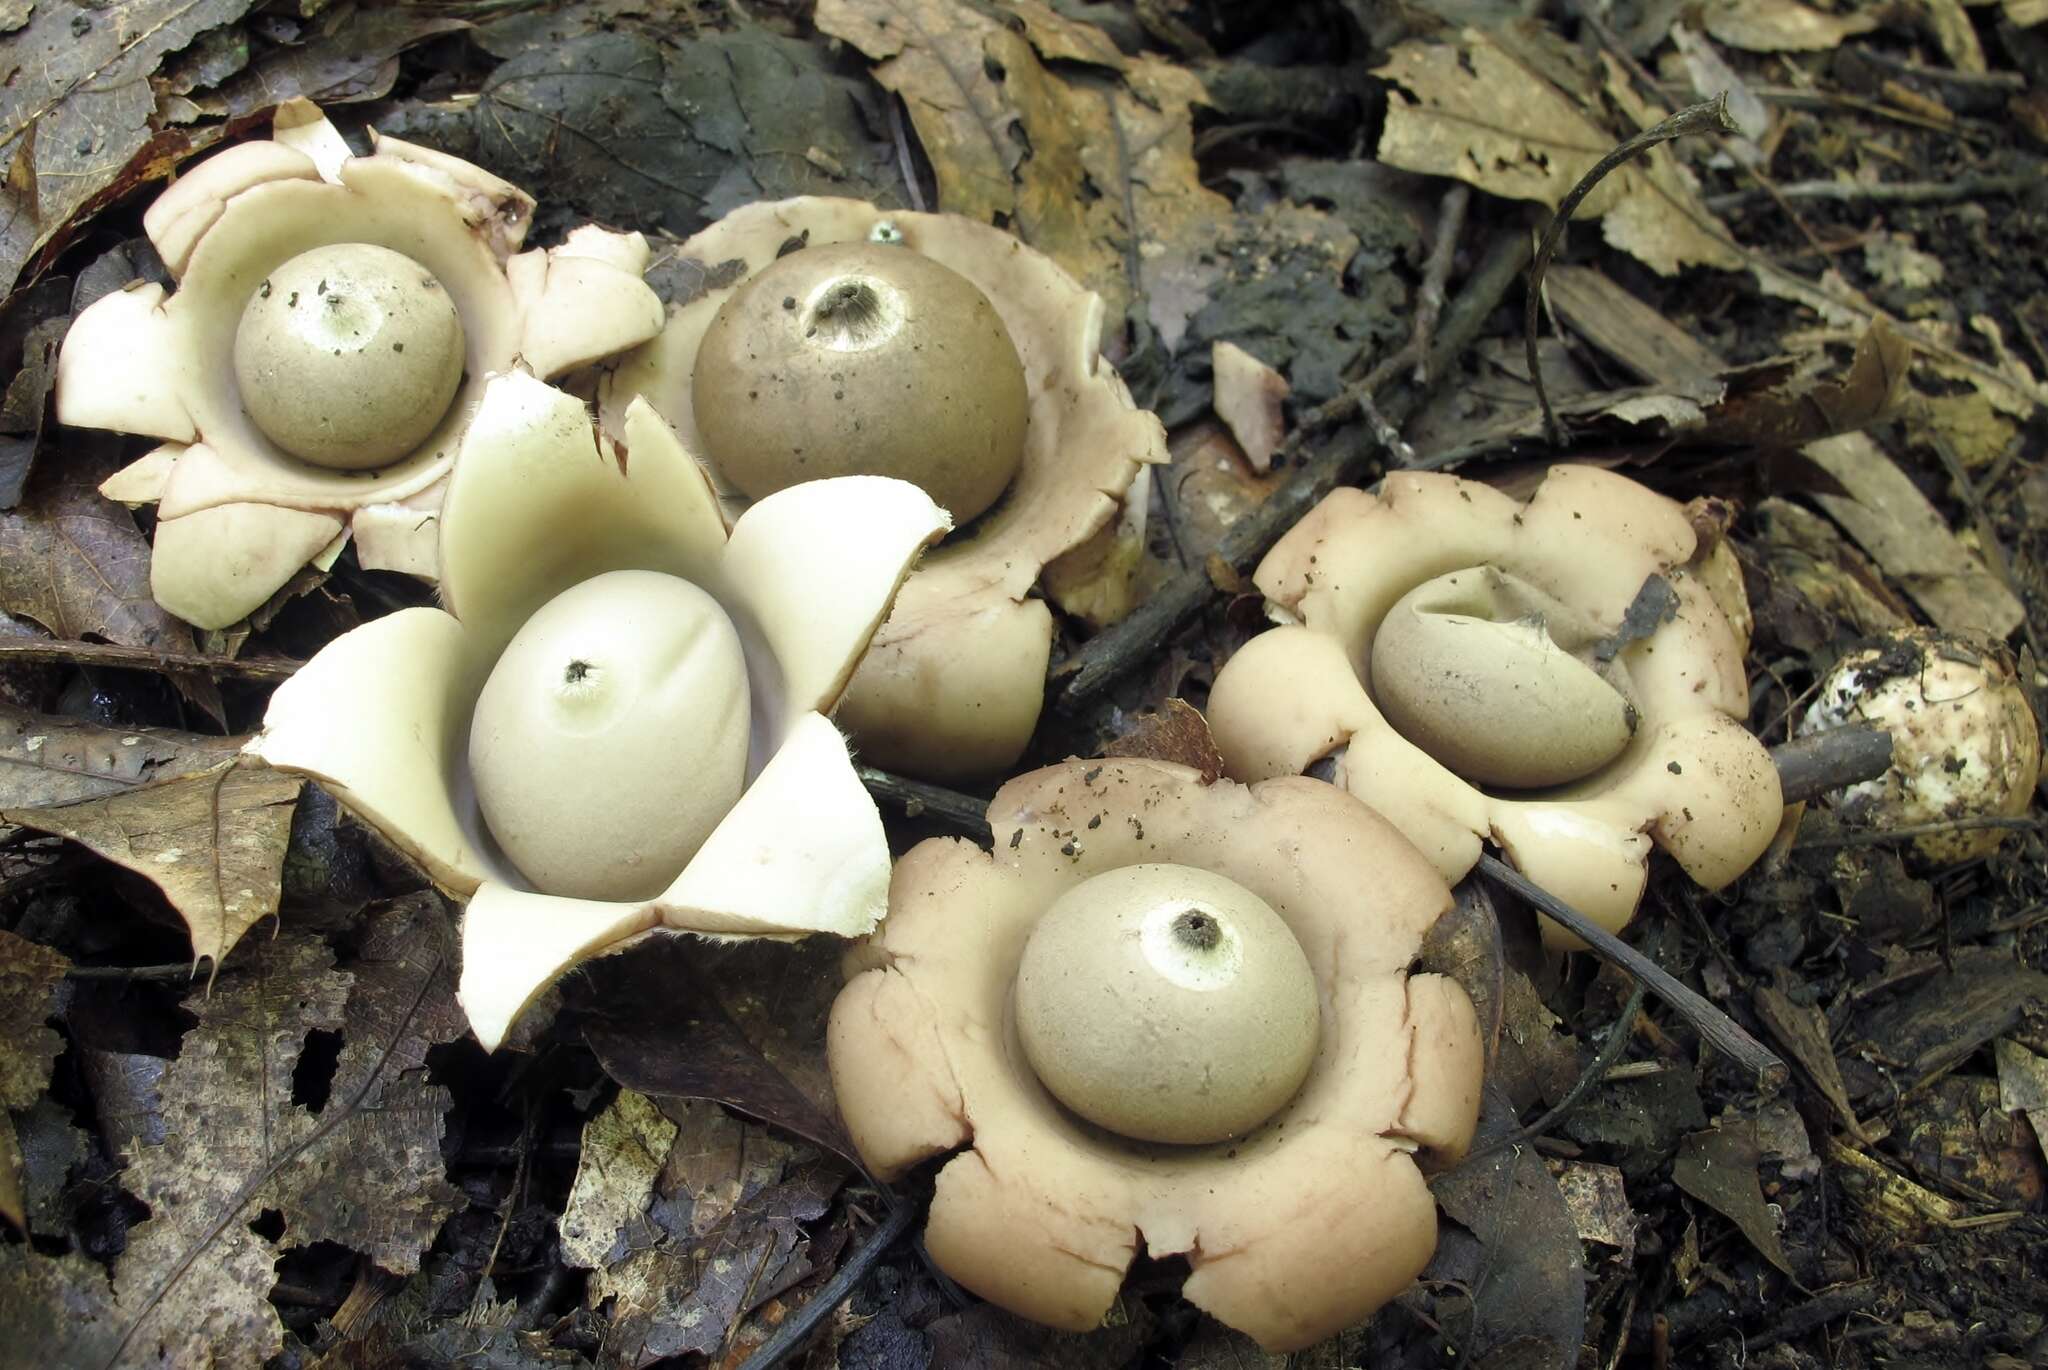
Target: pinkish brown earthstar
(335,320)
(955,682)
(618,724)
(1220,914)
(1561,675)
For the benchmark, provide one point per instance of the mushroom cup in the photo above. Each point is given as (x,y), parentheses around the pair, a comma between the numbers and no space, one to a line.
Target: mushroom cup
(266,399)
(1294,1227)
(1561,676)
(955,682)
(541,507)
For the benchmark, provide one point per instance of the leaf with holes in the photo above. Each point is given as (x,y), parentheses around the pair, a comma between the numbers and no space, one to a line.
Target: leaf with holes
(213,842)
(263,1149)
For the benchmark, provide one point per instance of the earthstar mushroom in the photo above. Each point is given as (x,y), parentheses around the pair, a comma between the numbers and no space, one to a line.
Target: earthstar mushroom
(1400,611)
(956,678)
(1294,1226)
(611,659)
(292,420)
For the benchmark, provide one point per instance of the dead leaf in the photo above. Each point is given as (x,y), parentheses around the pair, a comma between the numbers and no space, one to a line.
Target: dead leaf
(81,85)
(1782,26)
(988,1338)
(1513,1261)
(1933,1028)
(1249,400)
(1910,540)
(1629,331)
(742,1025)
(47,761)
(1099,174)
(192,1285)
(1955,1133)
(669,136)
(624,1150)
(1177,732)
(213,842)
(1802,1030)
(2023,1086)
(351,56)
(1471,110)
(1718,1167)
(1597,1200)
(30,975)
(705,1231)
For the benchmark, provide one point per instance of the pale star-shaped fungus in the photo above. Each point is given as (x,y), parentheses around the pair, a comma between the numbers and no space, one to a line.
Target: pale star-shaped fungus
(333,325)
(1561,675)
(639,697)
(1171,1015)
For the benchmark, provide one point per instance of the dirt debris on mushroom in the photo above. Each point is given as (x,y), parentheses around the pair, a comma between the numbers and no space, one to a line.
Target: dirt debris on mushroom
(1297,1200)
(335,319)
(955,682)
(1558,676)
(1965,743)
(617,726)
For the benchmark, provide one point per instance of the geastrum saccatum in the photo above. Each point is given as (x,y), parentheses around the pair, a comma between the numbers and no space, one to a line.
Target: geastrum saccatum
(1167,1015)
(618,723)
(1561,675)
(830,336)
(334,323)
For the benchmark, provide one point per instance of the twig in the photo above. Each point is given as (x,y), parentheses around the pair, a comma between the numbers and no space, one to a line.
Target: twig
(1879,836)
(900,136)
(181,970)
(1429,301)
(1811,766)
(1718,1028)
(1709,116)
(1109,654)
(1884,192)
(919,800)
(67,653)
(798,1327)
(1611,1048)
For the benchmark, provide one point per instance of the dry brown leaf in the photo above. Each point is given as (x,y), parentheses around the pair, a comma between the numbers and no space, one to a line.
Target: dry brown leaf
(80,87)
(1471,110)
(1909,539)
(1015,143)
(213,842)
(2023,1086)
(705,1223)
(193,1285)
(47,761)
(1718,1167)
(1810,408)
(29,977)
(1782,26)
(624,1150)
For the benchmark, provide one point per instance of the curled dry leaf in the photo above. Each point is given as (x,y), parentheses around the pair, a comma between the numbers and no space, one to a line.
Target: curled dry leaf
(47,761)
(213,842)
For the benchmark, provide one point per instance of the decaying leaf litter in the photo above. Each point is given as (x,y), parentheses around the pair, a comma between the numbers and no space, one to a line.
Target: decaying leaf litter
(1832,322)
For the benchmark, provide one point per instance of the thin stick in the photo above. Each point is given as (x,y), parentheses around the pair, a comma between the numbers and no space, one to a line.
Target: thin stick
(1809,767)
(67,653)
(1429,301)
(963,812)
(1611,1048)
(1718,1028)
(798,1327)
(1709,116)
(1109,654)
(1884,192)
